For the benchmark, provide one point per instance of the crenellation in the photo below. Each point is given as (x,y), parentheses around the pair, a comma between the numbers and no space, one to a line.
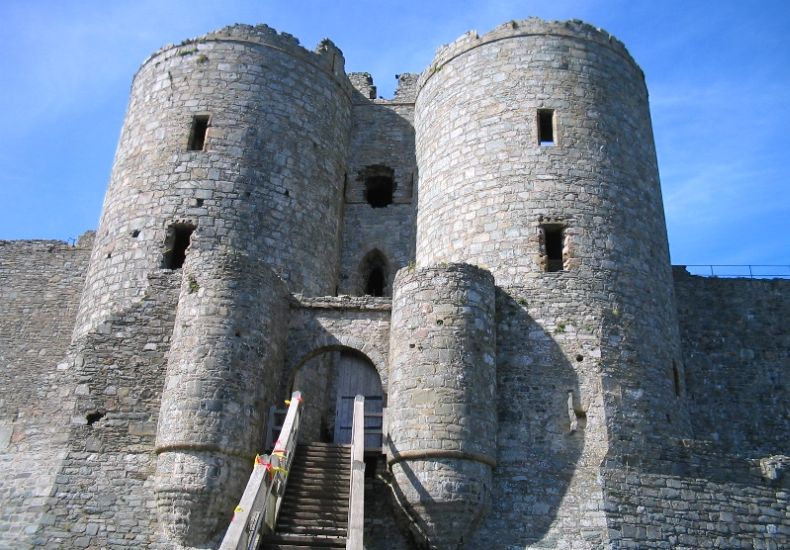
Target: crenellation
(483,256)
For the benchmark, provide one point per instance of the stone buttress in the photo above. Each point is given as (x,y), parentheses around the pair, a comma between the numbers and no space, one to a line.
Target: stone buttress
(442,411)
(225,357)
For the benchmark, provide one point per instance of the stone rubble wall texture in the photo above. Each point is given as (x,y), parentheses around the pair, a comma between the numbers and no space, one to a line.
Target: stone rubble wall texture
(269,181)
(40,286)
(630,410)
(382,134)
(442,410)
(736,347)
(104,491)
(223,368)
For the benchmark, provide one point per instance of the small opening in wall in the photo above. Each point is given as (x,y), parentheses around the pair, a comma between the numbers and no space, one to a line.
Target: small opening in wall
(135,233)
(199,202)
(373,273)
(579,358)
(375,282)
(546,126)
(197,136)
(553,237)
(378,191)
(177,241)
(93,417)
(676,378)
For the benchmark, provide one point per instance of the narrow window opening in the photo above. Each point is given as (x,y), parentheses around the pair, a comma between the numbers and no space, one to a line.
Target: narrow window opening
(553,237)
(375,283)
(373,274)
(197,137)
(676,378)
(177,241)
(378,191)
(546,126)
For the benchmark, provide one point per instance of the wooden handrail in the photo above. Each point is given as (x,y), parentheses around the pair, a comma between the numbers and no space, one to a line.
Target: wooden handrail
(356,496)
(259,505)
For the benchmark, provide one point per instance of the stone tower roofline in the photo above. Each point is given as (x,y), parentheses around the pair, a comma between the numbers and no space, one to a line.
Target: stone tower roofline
(532,26)
(326,57)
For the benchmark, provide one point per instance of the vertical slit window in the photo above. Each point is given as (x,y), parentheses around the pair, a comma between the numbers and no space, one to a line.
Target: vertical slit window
(676,378)
(197,136)
(176,243)
(546,126)
(553,241)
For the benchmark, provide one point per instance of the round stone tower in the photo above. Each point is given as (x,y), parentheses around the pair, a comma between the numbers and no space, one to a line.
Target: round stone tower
(230,167)
(442,413)
(237,138)
(537,162)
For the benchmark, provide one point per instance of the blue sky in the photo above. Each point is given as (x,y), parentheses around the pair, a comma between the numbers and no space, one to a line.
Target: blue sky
(718,74)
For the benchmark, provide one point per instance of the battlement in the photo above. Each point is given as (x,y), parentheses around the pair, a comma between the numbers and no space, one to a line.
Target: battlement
(326,55)
(531,26)
(404,93)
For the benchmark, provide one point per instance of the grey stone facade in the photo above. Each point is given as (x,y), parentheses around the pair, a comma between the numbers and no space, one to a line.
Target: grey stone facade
(548,381)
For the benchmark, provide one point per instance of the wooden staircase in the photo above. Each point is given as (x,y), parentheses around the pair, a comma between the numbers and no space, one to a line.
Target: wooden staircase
(314,512)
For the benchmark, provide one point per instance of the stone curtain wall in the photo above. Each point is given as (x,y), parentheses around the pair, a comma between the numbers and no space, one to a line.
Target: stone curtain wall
(104,492)
(729,486)
(40,285)
(736,354)
(721,502)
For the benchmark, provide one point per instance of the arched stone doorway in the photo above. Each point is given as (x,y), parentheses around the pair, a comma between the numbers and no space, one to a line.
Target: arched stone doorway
(330,380)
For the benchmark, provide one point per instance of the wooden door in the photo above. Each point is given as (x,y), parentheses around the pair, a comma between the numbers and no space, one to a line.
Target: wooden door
(357,376)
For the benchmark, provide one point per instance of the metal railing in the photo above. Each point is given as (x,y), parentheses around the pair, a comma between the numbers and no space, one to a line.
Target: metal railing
(731,271)
(356,494)
(257,511)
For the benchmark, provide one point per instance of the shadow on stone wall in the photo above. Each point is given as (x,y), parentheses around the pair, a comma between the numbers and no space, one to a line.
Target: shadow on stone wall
(538,456)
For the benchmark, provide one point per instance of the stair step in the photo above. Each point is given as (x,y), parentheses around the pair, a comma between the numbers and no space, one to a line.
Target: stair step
(316,472)
(321,542)
(287,524)
(324,491)
(315,498)
(319,530)
(318,509)
(300,516)
(314,512)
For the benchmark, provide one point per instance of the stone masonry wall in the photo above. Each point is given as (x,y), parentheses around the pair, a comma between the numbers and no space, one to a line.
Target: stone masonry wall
(585,351)
(104,490)
(696,496)
(736,354)
(442,414)
(40,285)
(223,368)
(267,181)
(382,134)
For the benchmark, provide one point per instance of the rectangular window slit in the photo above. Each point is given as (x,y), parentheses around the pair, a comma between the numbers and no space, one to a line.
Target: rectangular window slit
(176,244)
(553,241)
(197,136)
(546,126)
